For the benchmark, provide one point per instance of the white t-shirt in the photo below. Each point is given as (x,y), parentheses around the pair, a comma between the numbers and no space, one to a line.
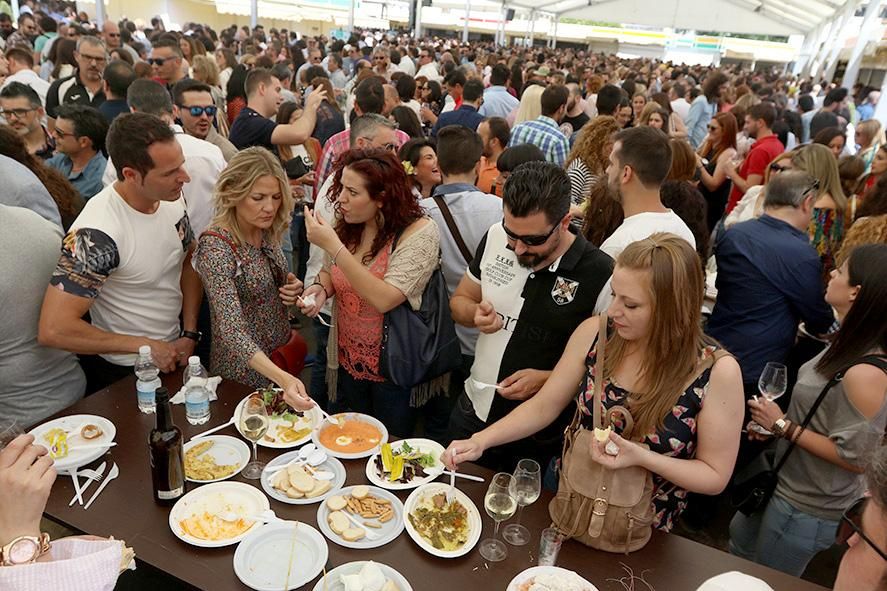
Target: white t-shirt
(130,264)
(642,225)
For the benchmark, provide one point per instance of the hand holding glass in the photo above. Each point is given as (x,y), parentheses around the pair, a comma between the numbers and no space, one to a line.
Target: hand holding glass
(253,425)
(526,486)
(772,384)
(500,505)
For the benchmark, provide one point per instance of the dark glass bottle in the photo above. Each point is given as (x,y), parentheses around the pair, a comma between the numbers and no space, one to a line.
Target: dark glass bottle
(167,455)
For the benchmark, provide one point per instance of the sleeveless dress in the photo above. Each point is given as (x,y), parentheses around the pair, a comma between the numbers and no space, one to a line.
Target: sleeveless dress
(716,199)
(677,439)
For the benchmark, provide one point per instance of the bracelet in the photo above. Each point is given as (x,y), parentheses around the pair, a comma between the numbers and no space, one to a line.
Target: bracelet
(318,282)
(797,434)
(335,256)
(790,432)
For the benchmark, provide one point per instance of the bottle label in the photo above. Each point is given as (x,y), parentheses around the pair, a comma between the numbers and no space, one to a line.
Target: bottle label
(166,495)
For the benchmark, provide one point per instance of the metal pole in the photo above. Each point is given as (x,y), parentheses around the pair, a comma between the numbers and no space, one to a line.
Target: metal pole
(554,38)
(532,26)
(821,48)
(465,27)
(253,13)
(99,13)
(15,11)
(351,18)
(418,30)
(852,72)
(881,109)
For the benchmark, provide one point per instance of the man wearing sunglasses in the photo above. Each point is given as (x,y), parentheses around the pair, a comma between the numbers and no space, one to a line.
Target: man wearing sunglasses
(166,61)
(194,106)
(531,282)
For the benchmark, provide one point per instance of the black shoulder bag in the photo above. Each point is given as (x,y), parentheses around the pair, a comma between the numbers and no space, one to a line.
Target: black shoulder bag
(754,484)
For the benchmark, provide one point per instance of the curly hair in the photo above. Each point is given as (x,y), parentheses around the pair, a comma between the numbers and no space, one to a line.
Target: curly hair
(603,214)
(386,181)
(592,141)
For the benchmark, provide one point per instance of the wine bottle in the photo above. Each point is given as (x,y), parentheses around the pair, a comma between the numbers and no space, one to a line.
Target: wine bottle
(167,455)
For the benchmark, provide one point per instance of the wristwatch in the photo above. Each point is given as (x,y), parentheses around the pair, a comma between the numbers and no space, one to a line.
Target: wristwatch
(193,335)
(780,426)
(24,550)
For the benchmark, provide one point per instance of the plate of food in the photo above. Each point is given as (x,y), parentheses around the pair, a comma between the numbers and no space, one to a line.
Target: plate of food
(355,436)
(363,576)
(287,428)
(283,555)
(296,484)
(402,465)
(195,517)
(549,578)
(63,436)
(214,458)
(443,529)
(377,512)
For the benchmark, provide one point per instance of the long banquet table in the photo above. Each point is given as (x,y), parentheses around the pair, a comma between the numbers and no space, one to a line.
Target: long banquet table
(126,510)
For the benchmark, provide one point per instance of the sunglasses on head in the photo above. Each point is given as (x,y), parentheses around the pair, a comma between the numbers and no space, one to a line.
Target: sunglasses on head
(851,523)
(536,240)
(198,111)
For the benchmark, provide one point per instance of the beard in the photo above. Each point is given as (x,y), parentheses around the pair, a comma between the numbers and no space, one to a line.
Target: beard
(533,260)
(615,192)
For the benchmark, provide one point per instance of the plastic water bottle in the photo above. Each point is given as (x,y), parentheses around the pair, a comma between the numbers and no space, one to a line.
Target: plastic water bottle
(148,380)
(196,395)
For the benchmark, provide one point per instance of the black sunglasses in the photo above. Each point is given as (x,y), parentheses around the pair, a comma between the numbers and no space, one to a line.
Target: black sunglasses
(536,240)
(158,61)
(777,168)
(198,111)
(813,187)
(851,523)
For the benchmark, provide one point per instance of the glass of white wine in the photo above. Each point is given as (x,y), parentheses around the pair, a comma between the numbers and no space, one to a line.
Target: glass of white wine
(253,425)
(526,486)
(772,384)
(500,505)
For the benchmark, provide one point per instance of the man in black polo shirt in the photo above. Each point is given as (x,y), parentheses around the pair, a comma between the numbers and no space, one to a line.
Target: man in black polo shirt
(254,126)
(531,282)
(84,87)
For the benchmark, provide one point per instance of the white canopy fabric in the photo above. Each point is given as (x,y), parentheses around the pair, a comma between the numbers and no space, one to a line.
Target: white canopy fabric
(760,17)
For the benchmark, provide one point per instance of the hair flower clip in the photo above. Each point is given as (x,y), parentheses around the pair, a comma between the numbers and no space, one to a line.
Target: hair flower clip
(408,168)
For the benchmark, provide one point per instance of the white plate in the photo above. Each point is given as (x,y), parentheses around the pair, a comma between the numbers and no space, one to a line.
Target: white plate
(353,416)
(75,458)
(226,450)
(388,532)
(334,581)
(474,522)
(424,445)
(330,465)
(238,497)
(526,575)
(280,556)
(309,420)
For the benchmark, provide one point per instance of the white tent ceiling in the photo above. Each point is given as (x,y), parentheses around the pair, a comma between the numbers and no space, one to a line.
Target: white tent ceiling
(761,17)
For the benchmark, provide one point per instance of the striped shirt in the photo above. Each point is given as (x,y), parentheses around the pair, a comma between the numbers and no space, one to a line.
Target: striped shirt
(544,134)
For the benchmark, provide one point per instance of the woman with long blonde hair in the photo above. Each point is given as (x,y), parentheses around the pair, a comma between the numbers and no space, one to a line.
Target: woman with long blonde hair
(530,106)
(245,275)
(684,395)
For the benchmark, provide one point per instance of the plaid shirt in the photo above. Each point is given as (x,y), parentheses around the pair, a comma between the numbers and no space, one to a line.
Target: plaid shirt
(335,147)
(543,133)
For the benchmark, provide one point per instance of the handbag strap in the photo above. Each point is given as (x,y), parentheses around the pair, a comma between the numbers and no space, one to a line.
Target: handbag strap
(878,361)
(599,371)
(454,230)
(226,239)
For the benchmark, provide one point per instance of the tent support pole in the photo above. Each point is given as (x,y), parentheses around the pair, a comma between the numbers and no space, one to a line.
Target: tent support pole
(866,34)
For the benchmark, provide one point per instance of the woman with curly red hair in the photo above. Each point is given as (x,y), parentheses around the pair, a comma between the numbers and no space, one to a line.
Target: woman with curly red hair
(380,252)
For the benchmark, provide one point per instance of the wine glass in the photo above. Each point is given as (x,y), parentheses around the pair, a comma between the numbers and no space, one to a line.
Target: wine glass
(500,505)
(771,385)
(253,425)
(526,486)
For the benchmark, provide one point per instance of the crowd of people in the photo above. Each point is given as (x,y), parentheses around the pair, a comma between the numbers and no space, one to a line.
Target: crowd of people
(202,187)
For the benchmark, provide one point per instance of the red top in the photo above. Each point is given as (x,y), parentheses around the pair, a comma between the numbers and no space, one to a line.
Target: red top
(761,155)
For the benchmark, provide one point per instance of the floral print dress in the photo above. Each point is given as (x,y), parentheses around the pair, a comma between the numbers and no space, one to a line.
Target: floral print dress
(677,439)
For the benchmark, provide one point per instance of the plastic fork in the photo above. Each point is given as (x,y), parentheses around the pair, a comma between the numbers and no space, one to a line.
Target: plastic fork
(450,491)
(370,535)
(265,516)
(91,476)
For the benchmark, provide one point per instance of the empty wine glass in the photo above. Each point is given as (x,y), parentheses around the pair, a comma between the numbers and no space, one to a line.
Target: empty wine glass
(500,505)
(526,486)
(771,385)
(253,425)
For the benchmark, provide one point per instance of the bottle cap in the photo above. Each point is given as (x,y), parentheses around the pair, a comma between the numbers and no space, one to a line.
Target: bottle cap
(145,350)
(194,360)
(161,395)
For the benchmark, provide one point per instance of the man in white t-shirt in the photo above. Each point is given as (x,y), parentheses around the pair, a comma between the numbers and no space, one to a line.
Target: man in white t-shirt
(639,162)
(127,261)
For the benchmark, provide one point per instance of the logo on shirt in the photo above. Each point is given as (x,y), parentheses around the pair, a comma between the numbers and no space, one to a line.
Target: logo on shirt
(564,290)
(74,97)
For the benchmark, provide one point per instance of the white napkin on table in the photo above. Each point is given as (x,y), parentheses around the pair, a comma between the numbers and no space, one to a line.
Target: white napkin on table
(210,384)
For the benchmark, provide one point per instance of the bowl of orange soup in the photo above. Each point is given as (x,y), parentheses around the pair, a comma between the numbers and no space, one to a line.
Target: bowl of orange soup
(356,436)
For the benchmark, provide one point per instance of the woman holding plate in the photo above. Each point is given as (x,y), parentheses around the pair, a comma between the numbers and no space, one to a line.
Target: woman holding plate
(245,274)
(380,253)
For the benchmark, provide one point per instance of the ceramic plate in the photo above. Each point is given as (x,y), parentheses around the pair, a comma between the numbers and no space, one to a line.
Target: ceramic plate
(225,451)
(217,497)
(330,465)
(72,425)
(474,522)
(334,577)
(349,416)
(528,574)
(423,445)
(388,532)
(280,556)
(308,421)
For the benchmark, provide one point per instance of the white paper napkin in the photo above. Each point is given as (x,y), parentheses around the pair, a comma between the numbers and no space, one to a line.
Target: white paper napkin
(210,384)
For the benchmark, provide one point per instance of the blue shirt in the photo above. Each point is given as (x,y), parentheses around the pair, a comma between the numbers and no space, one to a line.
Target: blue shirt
(769,278)
(466,116)
(498,102)
(545,135)
(701,112)
(89,180)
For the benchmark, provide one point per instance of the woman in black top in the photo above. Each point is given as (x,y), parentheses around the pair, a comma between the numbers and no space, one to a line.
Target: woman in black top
(717,149)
